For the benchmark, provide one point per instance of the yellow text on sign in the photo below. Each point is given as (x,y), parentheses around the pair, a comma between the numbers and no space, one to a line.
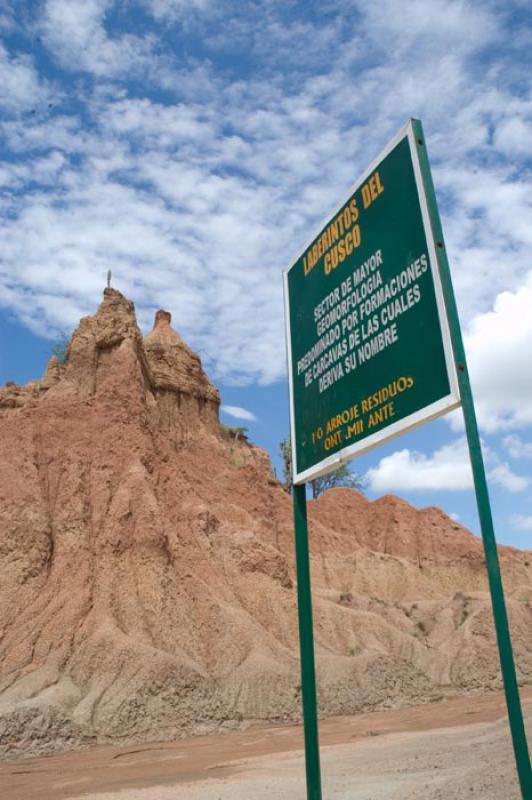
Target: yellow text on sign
(371,190)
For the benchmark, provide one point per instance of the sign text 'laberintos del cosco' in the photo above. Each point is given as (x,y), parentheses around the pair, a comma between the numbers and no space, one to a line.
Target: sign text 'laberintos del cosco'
(368,340)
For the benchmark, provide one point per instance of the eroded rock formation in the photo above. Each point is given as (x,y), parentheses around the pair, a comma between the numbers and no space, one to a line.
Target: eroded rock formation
(146,564)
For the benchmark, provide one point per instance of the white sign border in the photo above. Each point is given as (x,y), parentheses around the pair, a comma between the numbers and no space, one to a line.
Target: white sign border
(430,412)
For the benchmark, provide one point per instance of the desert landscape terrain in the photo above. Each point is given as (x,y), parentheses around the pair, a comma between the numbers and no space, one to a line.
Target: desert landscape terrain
(147,579)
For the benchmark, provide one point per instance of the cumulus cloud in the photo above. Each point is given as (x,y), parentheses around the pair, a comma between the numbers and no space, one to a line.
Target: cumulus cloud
(517,448)
(498,345)
(521,522)
(75,33)
(7,16)
(447,469)
(196,179)
(171,10)
(513,136)
(238,413)
(21,89)
(406,470)
(502,475)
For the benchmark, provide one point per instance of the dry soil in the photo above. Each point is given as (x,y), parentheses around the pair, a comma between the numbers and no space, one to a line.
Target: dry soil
(454,749)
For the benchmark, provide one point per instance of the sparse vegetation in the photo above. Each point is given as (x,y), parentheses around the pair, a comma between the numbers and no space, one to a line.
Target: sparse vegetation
(341,476)
(234,433)
(286,454)
(60,348)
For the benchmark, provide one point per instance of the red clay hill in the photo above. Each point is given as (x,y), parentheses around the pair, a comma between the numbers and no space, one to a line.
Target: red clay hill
(147,570)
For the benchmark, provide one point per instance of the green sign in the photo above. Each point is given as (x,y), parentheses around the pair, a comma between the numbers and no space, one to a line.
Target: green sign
(373,336)
(369,348)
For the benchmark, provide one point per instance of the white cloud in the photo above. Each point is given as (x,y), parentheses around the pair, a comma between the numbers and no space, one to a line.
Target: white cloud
(238,413)
(406,470)
(20,86)
(75,32)
(513,136)
(7,16)
(197,183)
(522,522)
(403,26)
(517,447)
(171,10)
(447,469)
(498,345)
(487,223)
(503,476)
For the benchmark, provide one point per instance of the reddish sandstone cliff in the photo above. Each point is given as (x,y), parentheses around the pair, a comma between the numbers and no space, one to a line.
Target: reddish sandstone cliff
(146,563)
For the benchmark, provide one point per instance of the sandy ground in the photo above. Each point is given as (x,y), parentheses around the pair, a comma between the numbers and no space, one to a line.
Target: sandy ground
(455,749)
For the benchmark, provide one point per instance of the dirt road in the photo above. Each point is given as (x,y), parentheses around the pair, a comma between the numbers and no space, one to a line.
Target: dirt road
(456,749)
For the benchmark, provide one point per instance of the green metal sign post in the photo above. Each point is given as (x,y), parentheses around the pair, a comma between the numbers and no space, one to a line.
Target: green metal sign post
(513,701)
(306,646)
(375,349)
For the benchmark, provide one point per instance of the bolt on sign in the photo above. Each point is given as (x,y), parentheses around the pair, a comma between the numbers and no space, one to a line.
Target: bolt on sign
(369,348)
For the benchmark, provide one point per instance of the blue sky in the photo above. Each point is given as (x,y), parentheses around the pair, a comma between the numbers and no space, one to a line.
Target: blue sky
(193,147)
